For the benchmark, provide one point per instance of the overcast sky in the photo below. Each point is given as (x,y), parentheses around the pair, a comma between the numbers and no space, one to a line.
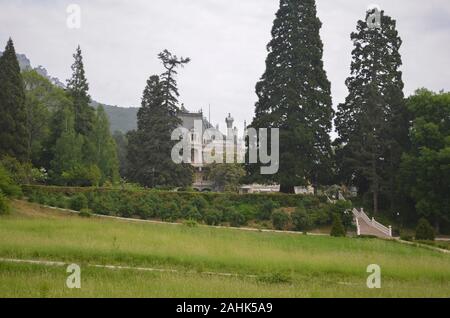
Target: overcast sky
(226,40)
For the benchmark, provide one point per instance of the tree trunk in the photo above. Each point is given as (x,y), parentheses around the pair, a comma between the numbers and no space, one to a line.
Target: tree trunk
(375,202)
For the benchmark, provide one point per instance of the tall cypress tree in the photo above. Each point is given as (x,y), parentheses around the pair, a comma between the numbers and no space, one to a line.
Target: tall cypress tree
(373,123)
(13,118)
(294,96)
(78,88)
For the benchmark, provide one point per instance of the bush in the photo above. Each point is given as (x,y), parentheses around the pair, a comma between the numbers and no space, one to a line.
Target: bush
(170,212)
(301,220)
(265,210)
(85,213)
(424,231)
(338,229)
(213,217)
(190,223)
(4,204)
(7,184)
(78,202)
(280,220)
(237,219)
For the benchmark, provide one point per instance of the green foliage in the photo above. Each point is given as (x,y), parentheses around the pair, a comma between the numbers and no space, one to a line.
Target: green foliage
(4,204)
(372,122)
(294,95)
(121,142)
(338,230)
(78,202)
(425,169)
(280,219)
(39,103)
(23,172)
(82,176)
(7,185)
(236,219)
(226,177)
(343,209)
(190,223)
(170,211)
(424,231)
(213,216)
(265,209)
(301,220)
(275,278)
(209,208)
(13,118)
(150,146)
(85,213)
(78,88)
(101,149)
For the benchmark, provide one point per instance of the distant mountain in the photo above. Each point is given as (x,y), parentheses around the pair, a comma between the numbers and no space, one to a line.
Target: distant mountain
(121,118)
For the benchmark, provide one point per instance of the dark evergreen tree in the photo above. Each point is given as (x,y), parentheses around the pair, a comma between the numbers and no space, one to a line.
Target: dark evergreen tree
(13,117)
(150,147)
(294,96)
(122,149)
(171,63)
(373,123)
(78,88)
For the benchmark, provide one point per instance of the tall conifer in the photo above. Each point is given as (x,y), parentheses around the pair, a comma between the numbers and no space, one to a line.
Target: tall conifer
(13,118)
(294,96)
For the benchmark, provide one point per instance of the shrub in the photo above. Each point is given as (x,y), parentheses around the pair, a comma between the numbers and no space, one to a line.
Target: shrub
(301,220)
(343,209)
(424,231)
(213,216)
(280,219)
(265,210)
(408,238)
(4,204)
(78,202)
(237,219)
(248,211)
(190,223)
(85,213)
(82,176)
(170,212)
(192,213)
(61,201)
(338,229)
(7,184)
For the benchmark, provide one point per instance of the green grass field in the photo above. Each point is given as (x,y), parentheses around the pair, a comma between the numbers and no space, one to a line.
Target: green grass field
(263,264)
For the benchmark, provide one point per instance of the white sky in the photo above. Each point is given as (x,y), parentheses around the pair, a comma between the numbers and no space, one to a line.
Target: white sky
(226,40)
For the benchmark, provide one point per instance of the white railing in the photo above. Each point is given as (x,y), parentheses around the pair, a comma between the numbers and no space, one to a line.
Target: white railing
(372,222)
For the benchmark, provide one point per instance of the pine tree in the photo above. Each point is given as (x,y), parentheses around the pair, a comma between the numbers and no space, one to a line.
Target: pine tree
(171,63)
(373,123)
(68,153)
(149,150)
(78,88)
(294,96)
(13,118)
(103,148)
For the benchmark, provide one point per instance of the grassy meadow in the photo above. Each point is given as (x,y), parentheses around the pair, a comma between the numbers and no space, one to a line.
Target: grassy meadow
(263,264)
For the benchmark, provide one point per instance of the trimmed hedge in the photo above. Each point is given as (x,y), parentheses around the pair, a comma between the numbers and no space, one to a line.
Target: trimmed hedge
(209,208)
